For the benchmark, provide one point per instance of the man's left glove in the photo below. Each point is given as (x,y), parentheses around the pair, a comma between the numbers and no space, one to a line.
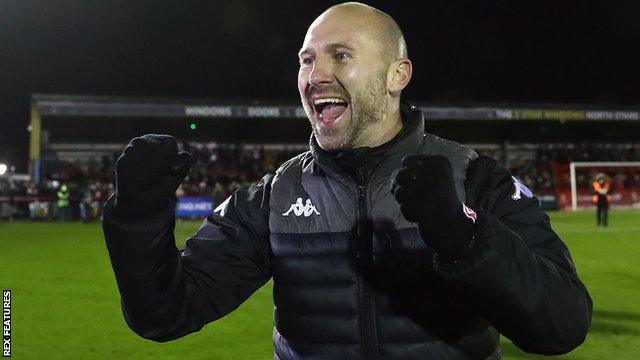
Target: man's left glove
(425,190)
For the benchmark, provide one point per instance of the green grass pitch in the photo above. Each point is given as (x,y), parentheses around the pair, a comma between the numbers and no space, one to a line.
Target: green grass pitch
(65,301)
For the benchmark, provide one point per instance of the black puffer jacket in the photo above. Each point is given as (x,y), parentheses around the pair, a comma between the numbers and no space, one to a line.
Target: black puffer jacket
(352,278)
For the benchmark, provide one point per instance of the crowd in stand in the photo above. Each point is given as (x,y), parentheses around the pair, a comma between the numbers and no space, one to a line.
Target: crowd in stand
(219,169)
(538,171)
(86,188)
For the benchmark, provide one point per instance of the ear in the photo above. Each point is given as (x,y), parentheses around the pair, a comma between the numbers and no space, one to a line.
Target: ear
(399,75)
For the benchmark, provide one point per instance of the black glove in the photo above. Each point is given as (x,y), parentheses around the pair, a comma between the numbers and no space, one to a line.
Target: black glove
(148,173)
(425,190)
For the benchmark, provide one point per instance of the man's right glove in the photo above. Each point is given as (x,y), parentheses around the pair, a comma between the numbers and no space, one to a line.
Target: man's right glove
(148,173)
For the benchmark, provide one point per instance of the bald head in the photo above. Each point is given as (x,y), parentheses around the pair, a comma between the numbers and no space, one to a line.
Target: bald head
(376,22)
(355,58)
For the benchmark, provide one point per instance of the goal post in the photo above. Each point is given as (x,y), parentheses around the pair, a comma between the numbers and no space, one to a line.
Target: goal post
(625,175)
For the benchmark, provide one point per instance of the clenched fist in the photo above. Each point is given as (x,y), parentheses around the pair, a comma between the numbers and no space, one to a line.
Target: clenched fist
(148,173)
(425,190)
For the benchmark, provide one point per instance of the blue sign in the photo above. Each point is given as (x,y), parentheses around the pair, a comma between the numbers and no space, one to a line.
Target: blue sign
(194,207)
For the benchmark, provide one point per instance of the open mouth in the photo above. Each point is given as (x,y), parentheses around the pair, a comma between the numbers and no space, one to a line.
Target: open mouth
(329,109)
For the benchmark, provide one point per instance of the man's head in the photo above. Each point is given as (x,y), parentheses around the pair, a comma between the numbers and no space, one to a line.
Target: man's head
(353,67)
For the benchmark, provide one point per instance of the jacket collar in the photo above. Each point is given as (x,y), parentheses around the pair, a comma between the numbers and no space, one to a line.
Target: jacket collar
(379,161)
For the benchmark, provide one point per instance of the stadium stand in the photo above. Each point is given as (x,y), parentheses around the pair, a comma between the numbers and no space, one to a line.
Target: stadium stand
(73,143)
(219,169)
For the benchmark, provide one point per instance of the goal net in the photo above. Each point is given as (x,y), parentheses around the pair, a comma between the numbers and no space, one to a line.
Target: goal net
(575,190)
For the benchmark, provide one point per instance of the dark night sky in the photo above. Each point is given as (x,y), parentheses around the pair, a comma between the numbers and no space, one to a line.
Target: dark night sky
(475,51)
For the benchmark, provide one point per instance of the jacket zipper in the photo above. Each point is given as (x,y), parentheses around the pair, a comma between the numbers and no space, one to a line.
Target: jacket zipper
(365,259)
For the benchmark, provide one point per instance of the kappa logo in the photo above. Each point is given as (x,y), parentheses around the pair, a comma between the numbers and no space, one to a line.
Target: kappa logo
(521,189)
(299,209)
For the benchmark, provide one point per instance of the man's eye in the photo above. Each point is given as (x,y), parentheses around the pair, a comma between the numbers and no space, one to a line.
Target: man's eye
(342,56)
(306,61)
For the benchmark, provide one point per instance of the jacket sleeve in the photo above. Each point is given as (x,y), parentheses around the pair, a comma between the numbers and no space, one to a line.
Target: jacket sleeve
(519,272)
(167,293)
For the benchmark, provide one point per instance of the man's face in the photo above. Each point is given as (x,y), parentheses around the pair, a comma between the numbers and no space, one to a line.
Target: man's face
(342,80)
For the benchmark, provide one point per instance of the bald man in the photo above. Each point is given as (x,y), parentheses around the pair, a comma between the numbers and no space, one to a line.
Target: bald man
(383,242)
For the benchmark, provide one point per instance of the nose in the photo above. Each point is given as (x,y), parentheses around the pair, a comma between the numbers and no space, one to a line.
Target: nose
(320,74)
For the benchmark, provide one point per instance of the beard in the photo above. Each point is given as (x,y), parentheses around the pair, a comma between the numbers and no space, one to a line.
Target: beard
(368,106)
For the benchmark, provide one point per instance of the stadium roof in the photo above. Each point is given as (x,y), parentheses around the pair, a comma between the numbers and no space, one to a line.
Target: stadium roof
(81,105)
